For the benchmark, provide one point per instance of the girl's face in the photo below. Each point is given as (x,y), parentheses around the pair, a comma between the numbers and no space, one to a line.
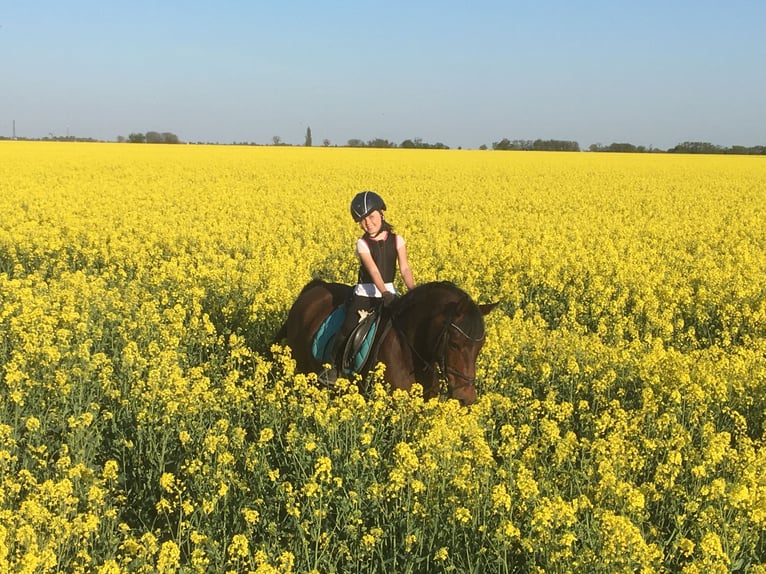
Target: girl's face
(372,223)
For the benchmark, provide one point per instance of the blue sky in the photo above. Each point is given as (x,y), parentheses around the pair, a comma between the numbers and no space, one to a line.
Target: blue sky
(464,73)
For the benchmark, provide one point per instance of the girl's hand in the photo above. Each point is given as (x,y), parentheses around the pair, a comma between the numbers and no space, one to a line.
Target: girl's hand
(388,298)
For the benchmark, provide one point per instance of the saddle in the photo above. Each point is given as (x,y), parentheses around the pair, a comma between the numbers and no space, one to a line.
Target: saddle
(359,344)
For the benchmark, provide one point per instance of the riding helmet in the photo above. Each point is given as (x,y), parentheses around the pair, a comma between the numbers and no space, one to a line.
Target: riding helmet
(364,203)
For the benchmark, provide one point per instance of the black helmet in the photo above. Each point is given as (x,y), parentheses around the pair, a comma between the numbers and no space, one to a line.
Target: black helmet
(364,203)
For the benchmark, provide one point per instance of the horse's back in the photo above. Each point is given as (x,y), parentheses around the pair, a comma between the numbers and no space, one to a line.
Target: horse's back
(314,304)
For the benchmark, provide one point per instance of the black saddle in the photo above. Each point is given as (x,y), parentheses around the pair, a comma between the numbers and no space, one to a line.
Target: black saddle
(358,345)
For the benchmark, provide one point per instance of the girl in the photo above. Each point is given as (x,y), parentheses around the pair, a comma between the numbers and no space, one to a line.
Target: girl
(379,250)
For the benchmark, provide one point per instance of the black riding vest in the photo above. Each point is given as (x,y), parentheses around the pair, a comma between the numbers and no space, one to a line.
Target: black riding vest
(384,255)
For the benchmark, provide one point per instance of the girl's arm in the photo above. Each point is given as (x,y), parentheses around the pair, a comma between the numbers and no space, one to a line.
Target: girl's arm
(404,267)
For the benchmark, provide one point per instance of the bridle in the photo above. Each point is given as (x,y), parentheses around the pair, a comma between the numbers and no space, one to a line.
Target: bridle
(443,370)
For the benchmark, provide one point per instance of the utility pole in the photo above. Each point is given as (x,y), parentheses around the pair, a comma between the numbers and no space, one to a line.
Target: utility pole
(14,129)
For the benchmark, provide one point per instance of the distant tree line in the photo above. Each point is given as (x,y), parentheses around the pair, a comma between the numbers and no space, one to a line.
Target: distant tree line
(416,143)
(621,148)
(535,145)
(564,145)
(705,147)
(686,147)
(151,137)
(52,138)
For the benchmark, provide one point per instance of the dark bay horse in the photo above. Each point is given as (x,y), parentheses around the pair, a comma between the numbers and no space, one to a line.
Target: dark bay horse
(431,335)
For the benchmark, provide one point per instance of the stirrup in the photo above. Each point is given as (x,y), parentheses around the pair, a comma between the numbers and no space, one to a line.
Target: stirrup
(327,377)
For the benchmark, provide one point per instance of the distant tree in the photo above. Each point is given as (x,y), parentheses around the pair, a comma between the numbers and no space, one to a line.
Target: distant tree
(742,150)
(121,139)
(483,147)
(526,145)
(503,145)
(420,144)
(617,147)
(380,142)
(276,140)
(154,138)
(695,147)
(326,142)
(555,145)
(355,143)
(308,137)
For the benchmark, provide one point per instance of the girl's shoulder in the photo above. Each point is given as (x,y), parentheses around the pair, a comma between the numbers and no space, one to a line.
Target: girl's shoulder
(361,245)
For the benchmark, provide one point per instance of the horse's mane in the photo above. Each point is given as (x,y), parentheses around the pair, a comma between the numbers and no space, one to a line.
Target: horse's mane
(471,322)
(426,291)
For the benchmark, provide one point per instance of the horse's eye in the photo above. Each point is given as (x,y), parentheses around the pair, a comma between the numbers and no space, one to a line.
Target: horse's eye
(454,346)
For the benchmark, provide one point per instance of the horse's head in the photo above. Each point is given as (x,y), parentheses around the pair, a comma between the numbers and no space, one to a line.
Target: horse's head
(442,331)
(461,340)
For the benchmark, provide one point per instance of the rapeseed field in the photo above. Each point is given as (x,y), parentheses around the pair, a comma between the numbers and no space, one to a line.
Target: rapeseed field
(147,423)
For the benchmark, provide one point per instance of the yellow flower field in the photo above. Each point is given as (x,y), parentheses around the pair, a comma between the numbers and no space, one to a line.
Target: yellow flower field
(147,424)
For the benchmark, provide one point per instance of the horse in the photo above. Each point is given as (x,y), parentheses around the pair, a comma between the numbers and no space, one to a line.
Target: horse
(431,335)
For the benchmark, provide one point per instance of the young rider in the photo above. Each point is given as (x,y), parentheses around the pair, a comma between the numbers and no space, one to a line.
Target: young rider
(379,250)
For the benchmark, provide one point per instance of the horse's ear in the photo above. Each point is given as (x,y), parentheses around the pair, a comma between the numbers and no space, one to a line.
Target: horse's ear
(487,307)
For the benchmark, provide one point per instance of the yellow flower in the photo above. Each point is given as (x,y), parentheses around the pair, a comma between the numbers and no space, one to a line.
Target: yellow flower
(169,558)
(501,500)
(406,458)
(168,482)
(686,546)
(462,515)
(441,555)
(368,542)
(286,561)
(238,548)
(266,435)
(32,424)
(109,567)
(110,470)
(323,469)
(739,496)
(251,515)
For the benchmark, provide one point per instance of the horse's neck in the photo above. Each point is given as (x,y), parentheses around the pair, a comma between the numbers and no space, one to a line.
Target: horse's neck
(412,325)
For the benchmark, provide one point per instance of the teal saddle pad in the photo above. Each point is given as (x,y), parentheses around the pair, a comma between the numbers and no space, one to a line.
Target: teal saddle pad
(322,345)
